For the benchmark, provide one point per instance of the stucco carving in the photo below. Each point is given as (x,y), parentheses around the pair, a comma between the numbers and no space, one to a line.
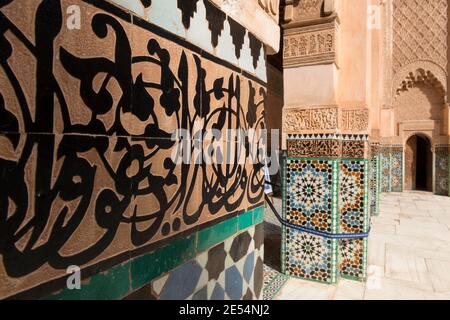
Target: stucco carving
(307,11)
(355,149)
(355,120)
(327,148)
(298,148)
(419,32)
(310,45)
(309,7)
(270,7)
(323,119)
(326,119)
(425,72)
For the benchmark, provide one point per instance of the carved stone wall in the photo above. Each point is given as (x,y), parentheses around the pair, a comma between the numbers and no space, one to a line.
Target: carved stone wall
(325,119)
(420,102)
(327,146)
(309,45)
(419,32)
(416,47)
(311,120)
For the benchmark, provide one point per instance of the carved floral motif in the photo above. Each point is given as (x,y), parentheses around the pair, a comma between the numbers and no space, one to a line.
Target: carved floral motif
(311,120)
(355,120)
(326,119)
(310,45)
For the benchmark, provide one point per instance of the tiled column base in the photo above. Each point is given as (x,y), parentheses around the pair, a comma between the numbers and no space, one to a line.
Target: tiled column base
(385,162)
(309,200)
(391,168)
(325,195)
(375,181)
(353,217)
(441,185)
(396,168)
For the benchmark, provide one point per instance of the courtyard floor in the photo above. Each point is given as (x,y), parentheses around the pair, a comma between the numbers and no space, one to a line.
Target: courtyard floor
(409,255)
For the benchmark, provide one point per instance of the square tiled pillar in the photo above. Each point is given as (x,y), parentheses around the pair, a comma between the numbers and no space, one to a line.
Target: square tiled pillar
(309,199)
(441,185)
(353,217)
(391,157)
(375,180)
(396,155)
(326,191)
(385,168)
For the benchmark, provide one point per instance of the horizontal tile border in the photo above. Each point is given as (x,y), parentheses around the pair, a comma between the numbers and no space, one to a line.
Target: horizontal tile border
(123,279)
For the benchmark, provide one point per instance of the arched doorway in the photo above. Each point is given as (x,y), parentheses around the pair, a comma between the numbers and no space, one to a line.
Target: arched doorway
(418,164)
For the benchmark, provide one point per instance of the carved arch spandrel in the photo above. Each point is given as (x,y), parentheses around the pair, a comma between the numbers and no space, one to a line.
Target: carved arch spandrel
(420,72)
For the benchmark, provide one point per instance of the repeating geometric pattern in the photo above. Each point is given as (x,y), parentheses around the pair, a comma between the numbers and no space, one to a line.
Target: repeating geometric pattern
(353,258)
(374,184)
(352,196)
(328,136)
(221,35)
(397,171)
(310,187)
(385,171)
(442,170)
(420,32)
(315,200)
(232,270)
(353,217)
(273,282)
(310,257)
(309,194)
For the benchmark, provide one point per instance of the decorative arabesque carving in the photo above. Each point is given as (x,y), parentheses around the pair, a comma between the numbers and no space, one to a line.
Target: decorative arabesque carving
(270,7)
(307,10)
(311,120)
(326,119)
(421,76)
(309,45)
(327,148)
(419,32)
(355,120)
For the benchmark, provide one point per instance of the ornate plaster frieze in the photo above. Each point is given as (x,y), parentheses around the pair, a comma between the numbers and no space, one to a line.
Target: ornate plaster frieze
(354,120)
(311,120)
(328,148)
(325,119)
(318,148)
(311,45)
(307,12)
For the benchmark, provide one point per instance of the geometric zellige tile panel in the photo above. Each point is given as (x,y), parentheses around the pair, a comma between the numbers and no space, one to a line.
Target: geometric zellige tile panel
(231,270)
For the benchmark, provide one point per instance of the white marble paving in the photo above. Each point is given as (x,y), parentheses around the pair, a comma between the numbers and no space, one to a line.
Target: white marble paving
(409,255)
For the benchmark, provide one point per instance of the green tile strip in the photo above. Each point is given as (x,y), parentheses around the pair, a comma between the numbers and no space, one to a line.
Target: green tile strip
(133,274)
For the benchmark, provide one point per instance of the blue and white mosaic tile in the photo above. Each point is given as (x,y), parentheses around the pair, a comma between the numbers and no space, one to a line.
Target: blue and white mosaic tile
(232,270)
